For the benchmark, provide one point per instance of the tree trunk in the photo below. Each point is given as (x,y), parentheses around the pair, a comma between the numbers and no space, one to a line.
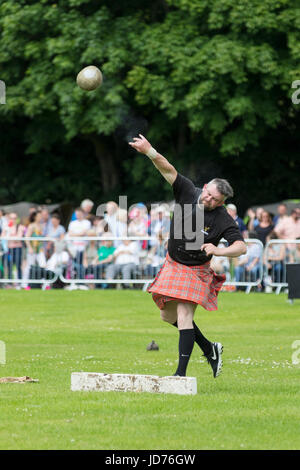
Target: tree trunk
(109,169)
(181,138)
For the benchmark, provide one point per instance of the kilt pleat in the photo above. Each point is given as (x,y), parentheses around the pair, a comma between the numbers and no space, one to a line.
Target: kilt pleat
(176,281)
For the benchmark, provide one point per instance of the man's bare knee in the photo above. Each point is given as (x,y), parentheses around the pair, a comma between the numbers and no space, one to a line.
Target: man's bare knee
(185,315)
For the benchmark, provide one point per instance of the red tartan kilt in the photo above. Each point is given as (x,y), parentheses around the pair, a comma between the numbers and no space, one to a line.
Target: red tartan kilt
(176,281)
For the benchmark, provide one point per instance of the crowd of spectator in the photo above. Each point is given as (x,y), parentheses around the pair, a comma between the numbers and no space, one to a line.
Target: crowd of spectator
(267,264)
(90,247)
(93,247)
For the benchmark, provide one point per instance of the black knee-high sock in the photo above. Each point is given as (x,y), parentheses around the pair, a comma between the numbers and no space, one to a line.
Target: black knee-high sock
(186,344)
(202,342)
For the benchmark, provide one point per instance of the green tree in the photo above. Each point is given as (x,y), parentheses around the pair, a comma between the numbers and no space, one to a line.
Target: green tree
(208,82)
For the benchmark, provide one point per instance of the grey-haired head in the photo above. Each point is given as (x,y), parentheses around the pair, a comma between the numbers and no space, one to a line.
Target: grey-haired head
(223,187)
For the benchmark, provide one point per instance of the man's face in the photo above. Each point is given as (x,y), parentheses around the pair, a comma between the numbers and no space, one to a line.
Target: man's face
(45,215)
(211,197)
(281,210)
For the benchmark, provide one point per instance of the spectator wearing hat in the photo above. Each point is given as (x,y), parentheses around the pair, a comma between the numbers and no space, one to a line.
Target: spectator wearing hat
(138,226)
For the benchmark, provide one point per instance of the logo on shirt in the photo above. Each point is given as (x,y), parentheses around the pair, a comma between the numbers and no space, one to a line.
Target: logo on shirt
(206,230)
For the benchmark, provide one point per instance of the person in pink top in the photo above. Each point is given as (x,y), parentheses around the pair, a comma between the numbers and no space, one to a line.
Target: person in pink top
(14,254)
(289,228)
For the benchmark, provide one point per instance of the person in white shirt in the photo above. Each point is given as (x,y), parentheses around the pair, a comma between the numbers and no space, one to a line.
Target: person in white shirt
(78,228)
(125,261)
(57,230)
(111,218)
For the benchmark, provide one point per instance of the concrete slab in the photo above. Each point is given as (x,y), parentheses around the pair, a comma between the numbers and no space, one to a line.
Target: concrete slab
(99,382)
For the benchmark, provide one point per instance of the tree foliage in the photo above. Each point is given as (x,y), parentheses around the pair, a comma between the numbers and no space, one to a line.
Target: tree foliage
(208,82)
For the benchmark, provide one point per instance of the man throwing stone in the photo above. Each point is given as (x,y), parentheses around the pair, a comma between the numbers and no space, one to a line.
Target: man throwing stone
(186,279)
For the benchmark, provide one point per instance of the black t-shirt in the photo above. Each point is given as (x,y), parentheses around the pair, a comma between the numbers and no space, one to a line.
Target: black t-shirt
(218,224)
(263,232)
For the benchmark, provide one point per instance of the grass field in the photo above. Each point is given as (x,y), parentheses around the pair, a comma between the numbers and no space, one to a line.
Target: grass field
(254,404)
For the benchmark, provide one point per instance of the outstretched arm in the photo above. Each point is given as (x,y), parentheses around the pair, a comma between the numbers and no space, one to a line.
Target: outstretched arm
(167,170)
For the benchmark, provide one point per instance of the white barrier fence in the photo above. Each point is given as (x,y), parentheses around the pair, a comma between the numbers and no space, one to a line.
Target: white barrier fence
(80,261)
